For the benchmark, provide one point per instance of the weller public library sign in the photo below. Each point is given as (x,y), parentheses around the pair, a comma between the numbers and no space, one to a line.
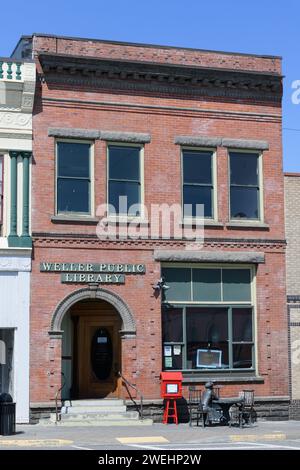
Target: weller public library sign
(102,273)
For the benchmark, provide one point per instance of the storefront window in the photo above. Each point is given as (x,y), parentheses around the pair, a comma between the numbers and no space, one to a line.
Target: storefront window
(207,330)
(207,337)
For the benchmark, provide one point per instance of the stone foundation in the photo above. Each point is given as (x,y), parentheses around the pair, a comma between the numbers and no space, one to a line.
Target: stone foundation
(294,409)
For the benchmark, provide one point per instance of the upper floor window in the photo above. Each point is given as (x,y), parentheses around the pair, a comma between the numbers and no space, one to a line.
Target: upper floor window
(244,186)
(197,174)
(73,193)
(124,179)
(1,187)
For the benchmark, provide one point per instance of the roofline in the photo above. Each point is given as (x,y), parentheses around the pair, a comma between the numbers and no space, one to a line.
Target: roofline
(19,61)
(86,58)
(158,46)
(291,174)
(24,36)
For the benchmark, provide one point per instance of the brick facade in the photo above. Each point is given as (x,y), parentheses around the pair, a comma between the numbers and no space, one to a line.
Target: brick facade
(292,224)
(102,100)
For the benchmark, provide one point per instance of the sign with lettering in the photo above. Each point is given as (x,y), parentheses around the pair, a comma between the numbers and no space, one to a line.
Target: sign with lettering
(100,273)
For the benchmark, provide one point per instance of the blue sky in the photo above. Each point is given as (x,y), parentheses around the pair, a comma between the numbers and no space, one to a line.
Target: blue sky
(259,26)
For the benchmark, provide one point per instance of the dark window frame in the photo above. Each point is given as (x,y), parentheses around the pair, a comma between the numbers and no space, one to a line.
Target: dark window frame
(139,182)
(231,343)
(83,178)
(229,305)
(212,185)
(258,186)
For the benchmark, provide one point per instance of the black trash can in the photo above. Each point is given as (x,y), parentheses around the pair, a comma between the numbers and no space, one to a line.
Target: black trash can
(7,415)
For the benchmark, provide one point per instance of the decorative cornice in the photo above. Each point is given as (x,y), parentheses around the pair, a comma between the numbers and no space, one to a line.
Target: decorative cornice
(11,135)
(71,239)
(160,78)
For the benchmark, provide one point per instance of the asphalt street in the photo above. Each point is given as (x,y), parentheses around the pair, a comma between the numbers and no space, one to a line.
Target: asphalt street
(280,435)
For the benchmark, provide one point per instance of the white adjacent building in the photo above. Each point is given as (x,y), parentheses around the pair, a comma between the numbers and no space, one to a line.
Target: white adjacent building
(17,87)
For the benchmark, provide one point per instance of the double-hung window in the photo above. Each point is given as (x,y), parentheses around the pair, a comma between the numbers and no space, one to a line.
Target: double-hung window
(124,180)
(208,319)
(198,187)
(244,186)
(73,185)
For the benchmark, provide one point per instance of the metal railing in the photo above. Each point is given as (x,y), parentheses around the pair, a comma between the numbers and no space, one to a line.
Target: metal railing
(128,385)
(58,415)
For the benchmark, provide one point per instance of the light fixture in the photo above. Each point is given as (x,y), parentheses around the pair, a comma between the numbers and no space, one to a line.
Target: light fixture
(160,285)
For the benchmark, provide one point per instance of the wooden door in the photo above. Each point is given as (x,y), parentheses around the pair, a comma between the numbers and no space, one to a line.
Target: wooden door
(99,355)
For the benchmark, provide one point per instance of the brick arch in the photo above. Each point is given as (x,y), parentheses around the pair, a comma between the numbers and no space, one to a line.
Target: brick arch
(128,322)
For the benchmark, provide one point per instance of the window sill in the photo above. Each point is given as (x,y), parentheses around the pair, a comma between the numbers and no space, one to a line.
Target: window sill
(127,221)
(201,222)
(230,378)
(73,219)
(247,224)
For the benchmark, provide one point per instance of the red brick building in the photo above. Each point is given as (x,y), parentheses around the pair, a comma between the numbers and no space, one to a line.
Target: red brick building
(158,125)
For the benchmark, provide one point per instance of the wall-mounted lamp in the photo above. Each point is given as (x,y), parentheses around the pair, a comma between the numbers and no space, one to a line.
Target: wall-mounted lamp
(161,285)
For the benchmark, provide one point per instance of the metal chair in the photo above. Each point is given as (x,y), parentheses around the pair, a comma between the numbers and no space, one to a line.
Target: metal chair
(245,413)
(196,407)
(216,391)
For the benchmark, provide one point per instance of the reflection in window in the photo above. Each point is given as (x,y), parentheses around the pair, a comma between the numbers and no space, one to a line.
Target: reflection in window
(124,179)
(197,182)
(207,338)
(207,329)
(244,186)
(73,177)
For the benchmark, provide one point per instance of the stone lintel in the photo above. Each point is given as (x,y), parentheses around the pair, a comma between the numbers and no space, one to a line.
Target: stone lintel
(73,133)
(209,256)
(198,141)
(246,144)
(131,137)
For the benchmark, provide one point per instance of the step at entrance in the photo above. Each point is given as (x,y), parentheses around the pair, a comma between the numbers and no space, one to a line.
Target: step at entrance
(102,412)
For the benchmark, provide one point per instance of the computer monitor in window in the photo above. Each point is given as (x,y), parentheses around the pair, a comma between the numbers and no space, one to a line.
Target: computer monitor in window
(209,358)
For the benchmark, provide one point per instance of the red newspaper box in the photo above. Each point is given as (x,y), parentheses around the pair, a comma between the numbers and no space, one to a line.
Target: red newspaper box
(171,385)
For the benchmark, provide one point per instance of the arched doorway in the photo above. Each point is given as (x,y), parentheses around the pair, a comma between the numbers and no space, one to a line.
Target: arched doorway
(91,350)
(62,328)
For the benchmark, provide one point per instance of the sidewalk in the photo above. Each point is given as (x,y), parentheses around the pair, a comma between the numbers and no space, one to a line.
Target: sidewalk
(273,433)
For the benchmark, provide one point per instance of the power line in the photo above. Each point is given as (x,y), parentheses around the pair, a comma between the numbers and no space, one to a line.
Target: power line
(290,129)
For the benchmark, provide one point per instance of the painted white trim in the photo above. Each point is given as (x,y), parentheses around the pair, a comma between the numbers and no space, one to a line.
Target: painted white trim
(21,263)
(19,194)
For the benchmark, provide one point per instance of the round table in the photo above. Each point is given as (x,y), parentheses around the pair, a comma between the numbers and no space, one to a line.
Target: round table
(226,403)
